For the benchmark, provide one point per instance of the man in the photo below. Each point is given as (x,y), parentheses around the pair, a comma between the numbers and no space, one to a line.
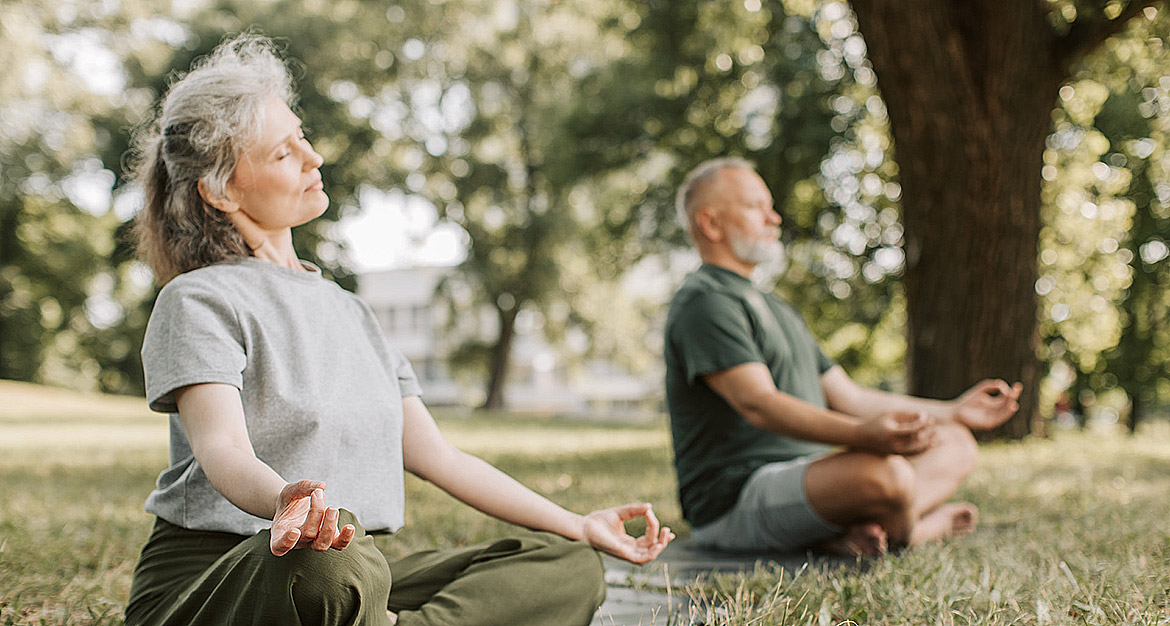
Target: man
(776,448)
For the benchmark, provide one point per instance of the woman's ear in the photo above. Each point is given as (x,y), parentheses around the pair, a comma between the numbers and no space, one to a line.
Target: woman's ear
(217,200)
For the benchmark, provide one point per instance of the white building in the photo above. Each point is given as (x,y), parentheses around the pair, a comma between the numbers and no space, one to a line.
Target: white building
(408,307)
(404,301)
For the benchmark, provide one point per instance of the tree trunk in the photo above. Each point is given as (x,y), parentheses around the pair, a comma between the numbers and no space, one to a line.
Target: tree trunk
(969,97)
(9,219)
(1135,412)
(501,356)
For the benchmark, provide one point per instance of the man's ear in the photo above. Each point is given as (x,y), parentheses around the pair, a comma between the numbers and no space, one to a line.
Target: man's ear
(217,200)
(707,223)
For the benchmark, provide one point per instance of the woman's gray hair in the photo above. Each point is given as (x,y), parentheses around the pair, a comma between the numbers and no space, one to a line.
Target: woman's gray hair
(206,120)
(688,192)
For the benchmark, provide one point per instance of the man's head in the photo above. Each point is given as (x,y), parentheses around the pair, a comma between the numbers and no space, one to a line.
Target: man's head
(727,209)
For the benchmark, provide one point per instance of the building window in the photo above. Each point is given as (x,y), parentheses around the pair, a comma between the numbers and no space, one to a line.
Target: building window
(421,318)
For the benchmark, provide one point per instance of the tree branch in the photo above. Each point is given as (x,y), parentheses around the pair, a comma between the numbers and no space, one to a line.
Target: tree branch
(1086,34)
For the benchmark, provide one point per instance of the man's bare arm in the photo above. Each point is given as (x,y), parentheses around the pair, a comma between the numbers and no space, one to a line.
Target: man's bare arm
(848,397)
(985,405)
(749,389)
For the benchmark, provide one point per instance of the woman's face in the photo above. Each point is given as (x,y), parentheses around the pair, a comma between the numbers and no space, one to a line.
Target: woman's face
(276,183)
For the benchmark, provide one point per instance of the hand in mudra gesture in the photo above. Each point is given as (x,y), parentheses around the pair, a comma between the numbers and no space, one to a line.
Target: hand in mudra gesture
(604,531)
(987,404)
(302,519)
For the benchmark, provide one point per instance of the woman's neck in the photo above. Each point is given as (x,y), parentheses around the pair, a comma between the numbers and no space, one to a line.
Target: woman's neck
(277,249)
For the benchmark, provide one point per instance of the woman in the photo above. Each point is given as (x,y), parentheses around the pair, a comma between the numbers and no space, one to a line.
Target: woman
(279,383)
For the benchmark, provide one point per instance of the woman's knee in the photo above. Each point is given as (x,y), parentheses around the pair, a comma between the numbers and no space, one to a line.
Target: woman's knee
(585,564)
(358,574)
(580,572)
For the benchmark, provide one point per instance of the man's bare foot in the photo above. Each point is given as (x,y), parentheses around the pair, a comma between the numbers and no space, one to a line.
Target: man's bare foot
(859,540)
(953,519)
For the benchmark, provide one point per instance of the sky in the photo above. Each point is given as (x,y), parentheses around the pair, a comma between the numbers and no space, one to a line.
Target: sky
(394,230)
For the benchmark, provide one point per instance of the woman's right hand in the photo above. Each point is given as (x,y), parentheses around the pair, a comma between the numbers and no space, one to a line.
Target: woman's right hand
(302,519)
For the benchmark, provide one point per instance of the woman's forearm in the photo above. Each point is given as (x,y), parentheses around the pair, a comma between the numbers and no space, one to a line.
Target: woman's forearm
(243,479)
(213,420)
(484,487)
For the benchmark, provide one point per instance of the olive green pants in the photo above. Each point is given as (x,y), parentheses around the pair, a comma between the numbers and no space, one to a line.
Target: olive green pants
(187,577)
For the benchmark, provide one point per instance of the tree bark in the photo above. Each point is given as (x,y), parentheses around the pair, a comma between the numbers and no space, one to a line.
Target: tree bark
(9,243)
(969,88)
(1135,413)
(501,357)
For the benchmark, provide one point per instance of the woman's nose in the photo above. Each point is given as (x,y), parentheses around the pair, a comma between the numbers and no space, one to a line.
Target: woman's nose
(313,160)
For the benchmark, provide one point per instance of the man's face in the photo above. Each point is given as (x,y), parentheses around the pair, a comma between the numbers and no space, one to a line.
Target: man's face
(751,225)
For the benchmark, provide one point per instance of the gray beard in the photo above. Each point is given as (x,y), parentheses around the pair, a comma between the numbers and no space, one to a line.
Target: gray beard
(755,251)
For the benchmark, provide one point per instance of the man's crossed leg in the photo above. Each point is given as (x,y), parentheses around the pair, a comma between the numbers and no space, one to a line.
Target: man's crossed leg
(894,500)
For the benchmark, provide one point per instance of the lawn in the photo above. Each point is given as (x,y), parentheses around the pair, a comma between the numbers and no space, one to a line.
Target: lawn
(1074,529)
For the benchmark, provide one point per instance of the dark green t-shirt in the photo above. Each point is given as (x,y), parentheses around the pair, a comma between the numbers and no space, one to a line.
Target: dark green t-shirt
(718,320)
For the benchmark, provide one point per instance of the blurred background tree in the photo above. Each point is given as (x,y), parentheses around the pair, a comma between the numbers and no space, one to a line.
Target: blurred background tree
(1030,177)
(70,303)
(495,154)
(787,86)
(582,120)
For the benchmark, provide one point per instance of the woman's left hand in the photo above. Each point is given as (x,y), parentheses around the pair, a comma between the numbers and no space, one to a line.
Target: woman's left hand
(604,530)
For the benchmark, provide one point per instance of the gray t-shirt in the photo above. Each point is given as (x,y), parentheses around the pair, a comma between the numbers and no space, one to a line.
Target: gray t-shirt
(321,388)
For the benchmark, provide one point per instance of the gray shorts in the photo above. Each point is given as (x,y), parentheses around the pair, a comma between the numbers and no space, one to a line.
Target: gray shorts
(772,513)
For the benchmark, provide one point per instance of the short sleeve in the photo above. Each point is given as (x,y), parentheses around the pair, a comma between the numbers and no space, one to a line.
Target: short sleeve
(711,333)
(193,337)
(396,362)
(407,381)
(824,363)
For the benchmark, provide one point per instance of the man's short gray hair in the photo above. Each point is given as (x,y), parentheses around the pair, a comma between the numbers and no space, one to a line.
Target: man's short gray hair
(206,120)
(685,203)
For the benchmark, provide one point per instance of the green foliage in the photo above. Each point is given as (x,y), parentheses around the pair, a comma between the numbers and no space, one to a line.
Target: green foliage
(555,135)
(66,291)
(564,170)
(1104,259)
(787,86)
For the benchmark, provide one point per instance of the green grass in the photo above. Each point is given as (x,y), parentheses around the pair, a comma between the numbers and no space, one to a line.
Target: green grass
(1073,530)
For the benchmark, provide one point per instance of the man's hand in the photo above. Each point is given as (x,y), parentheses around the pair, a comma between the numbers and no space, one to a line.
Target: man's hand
(302,519)
(896,433)
(604,531)
(987,404)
